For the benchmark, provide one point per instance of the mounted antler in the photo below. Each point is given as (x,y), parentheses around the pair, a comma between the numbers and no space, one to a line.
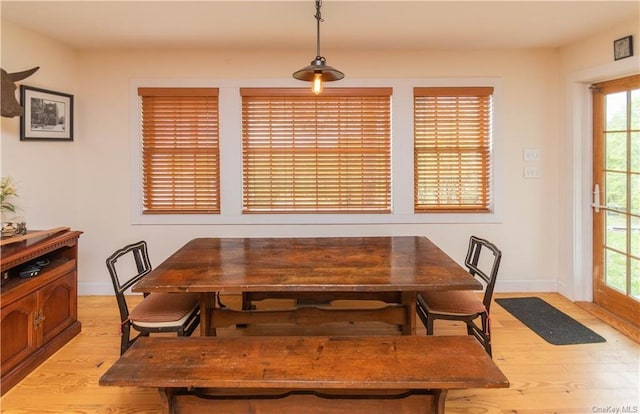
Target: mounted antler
(10,105)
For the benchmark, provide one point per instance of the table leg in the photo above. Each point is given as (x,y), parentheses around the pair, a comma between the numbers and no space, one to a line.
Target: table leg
(207,303)
(439,398)
(409,302)
(168,399)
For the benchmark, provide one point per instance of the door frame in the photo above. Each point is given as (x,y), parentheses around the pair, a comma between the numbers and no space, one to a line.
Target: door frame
(576,281)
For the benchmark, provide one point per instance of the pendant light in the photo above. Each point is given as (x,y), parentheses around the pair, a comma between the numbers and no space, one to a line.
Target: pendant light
(318,71)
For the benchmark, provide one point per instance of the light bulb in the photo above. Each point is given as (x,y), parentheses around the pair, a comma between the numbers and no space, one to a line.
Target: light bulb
(316,86)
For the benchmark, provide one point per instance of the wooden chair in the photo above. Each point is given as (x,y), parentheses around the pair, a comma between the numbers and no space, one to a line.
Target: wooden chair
(158,312)
(482,261)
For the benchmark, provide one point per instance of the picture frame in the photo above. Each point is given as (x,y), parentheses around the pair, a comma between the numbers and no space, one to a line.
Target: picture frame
(623,48)
(48,115)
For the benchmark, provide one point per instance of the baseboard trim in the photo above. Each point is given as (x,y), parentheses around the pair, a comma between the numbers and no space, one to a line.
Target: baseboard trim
(95,289)
(507,286)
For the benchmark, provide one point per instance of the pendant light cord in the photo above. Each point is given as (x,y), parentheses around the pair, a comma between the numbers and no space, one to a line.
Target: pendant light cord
(318,17)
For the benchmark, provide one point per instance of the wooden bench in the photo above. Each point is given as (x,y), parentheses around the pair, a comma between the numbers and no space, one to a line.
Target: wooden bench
(349,370)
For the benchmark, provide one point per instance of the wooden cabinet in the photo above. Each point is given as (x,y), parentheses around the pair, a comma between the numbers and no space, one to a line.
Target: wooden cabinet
(39,314)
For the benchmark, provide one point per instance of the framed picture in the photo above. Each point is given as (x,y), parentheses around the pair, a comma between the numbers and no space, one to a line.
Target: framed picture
(48,115)
(623,48)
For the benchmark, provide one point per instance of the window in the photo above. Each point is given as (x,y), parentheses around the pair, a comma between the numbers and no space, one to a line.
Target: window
(452,149)
(277,171)
(329,153)
(180,151)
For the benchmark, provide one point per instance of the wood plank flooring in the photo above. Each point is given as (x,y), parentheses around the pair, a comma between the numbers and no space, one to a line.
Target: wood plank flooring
(593,378)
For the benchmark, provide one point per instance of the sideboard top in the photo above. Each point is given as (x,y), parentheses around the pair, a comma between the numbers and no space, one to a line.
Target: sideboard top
(20,252)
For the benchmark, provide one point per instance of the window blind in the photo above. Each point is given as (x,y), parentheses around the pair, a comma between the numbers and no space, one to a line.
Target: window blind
(180,150)
(452,149)
(306,153)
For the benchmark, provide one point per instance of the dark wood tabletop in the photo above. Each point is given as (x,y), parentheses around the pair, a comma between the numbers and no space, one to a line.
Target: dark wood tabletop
(314,264)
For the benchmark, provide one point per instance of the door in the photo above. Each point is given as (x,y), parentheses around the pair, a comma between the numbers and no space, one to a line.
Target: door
(616,197)
(58,305)
(18,331)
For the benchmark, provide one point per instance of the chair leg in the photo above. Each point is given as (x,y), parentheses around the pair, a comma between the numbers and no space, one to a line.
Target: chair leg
(486,330)
(124,336)
(192,325)
(470,328)
(482,333)
(429,324)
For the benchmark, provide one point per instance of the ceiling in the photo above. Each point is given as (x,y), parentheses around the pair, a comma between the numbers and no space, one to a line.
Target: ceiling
(348,25)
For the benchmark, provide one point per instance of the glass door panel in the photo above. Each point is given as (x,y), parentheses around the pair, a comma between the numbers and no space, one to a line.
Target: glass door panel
(616,177)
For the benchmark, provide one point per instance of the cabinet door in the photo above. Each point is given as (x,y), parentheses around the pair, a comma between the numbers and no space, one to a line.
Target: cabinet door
(17,331)
(58,305)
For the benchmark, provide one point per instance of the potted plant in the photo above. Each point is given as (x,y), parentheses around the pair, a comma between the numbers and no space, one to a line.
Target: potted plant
(12,222)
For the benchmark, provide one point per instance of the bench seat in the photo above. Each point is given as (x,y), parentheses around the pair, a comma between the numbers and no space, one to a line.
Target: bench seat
(351,368)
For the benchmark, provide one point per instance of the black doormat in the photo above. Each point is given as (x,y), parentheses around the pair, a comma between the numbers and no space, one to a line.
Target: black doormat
(552,325)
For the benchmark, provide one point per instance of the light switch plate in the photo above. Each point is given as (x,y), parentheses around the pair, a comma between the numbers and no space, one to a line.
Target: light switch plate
(532,172)
(531,154)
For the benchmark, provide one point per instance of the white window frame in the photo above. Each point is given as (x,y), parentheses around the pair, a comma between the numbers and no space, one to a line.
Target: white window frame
(230,112)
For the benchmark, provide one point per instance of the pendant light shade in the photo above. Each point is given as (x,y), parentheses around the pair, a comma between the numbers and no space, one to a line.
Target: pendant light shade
(318,66)
(318,71)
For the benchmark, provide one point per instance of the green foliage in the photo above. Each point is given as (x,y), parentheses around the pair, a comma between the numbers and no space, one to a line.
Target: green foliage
(7,192)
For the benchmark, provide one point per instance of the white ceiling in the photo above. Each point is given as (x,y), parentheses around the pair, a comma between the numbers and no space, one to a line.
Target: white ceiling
(348,25)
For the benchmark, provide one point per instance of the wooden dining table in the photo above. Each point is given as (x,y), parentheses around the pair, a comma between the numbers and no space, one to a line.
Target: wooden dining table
(390,269)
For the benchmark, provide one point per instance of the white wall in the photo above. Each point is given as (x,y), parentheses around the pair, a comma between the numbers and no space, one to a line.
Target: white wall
(530,79)
(581,64)
(86,184)
(45,172)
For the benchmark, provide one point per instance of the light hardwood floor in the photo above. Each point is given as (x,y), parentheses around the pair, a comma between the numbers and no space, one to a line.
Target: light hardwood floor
(593,378)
